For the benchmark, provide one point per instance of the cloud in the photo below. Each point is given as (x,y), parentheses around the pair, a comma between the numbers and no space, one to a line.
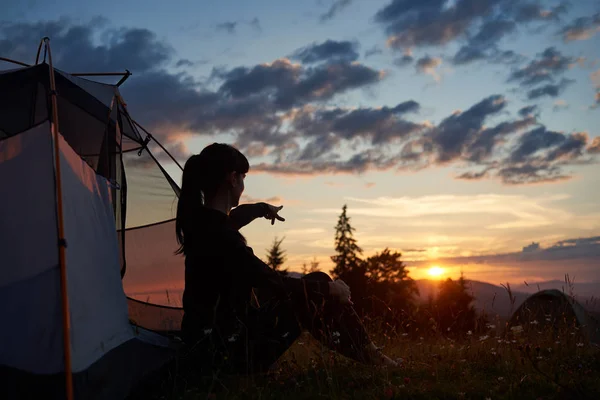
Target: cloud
(560,105)
(545,68)
(582,28)
(542,73)
(232,26)
(550,90)
(404,60)
(529,111)
(477,25)
(74,45)
(515,211)
(330,50)
(336,8)
(285,113)
(594,147)
(375,50)
(255,24)
(427,65)
(227,26)
(286,84)
(271,200)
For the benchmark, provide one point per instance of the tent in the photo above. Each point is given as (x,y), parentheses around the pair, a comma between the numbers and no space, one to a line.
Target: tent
(552,311)
(86,216)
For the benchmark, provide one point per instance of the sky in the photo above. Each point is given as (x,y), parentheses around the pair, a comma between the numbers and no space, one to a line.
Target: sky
(462,133)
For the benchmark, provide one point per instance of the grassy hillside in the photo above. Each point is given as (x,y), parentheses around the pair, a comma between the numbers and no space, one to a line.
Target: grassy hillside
(484,366)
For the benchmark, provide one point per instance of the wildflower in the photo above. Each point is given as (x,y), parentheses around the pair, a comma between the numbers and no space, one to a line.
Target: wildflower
(548,319)
(388,393)
(580,344)
(500,378)
(336,334)
(469,333)
(405,334)
(448,329)
(208,331)
(233,338)
(534,322)
(285,335)
(490,326)
(517,329)
(482,338)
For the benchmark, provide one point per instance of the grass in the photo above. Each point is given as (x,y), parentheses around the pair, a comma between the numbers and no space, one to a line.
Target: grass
(545,365)
(539,360)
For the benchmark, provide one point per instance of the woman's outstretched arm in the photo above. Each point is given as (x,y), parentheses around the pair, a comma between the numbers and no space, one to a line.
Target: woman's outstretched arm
(243,214)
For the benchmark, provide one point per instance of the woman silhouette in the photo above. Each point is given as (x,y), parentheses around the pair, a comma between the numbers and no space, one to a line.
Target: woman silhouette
(223,329)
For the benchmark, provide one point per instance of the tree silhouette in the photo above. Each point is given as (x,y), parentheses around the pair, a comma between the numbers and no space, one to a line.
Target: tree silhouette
(276,256)
(349,267)
(314,267)
(390,288)
(453,308)
(347,257)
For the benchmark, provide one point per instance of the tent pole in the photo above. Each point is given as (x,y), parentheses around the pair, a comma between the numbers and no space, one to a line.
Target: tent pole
(14,62)
(62,244)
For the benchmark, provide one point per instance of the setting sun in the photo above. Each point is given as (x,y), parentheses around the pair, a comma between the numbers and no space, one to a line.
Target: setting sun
(435,271)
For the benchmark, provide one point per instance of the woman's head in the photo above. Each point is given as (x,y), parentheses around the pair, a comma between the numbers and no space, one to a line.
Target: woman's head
(216,175)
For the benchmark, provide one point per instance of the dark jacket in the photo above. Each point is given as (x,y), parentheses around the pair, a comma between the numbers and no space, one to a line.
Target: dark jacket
(220,272)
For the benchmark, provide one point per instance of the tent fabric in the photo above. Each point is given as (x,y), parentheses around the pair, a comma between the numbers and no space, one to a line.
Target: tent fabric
(114,376)
(118,208)
(553,308)
(27,214)
(97,303)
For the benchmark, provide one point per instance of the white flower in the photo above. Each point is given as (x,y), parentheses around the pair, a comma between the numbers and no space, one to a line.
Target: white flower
(405,334)
(208,331)
(500,378)
(517,329)
(469,333)
(482,338)
(233,338)
(285,334)
(336,334)
(490,326)
(534,322)
(579,344)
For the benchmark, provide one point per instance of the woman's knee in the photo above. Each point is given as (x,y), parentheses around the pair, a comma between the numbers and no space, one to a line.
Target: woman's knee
(318,276)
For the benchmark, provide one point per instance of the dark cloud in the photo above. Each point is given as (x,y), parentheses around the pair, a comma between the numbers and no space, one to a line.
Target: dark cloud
(377,125)
(279,110)
(74,46)
(375,50)
(581,28)
(336,8)
(547,65)
(448,140)
(184,63)
(227,26)
(403,61)
(550,90)
(528,111)
(287,84)
(330,50)
(255,24)
(478,25)
(542,74)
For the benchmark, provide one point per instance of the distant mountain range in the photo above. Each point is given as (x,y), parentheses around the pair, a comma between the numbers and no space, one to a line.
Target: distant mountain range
(495,300)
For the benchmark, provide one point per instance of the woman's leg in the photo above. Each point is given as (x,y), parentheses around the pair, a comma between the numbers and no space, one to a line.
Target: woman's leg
(337,325)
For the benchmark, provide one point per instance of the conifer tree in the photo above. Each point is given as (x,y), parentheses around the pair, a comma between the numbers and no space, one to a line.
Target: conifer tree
(276,256)
(348,251)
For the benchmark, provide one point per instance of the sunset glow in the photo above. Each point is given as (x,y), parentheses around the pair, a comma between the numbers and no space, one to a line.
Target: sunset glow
(435,271)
